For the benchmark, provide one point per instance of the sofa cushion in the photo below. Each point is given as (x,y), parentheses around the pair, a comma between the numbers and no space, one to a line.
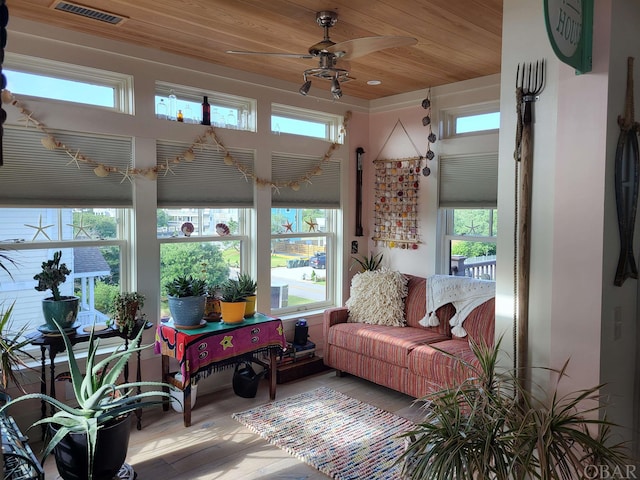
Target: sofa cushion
(377,297)
(443,369)
(390,344)
(415,306)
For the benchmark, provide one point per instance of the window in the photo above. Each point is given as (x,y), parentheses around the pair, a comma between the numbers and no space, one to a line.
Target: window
(471,236)
(298,121)
(470,120)
(93,248)
(68,83)
(202,242)
(302,260)
(226,111)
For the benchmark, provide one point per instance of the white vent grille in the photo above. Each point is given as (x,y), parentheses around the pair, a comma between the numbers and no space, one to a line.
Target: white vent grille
(88,12)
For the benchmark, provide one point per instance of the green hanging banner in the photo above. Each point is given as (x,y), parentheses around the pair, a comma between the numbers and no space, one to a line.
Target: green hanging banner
(570,30)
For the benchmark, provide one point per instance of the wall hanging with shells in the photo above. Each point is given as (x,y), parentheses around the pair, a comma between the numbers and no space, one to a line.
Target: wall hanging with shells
(397,184)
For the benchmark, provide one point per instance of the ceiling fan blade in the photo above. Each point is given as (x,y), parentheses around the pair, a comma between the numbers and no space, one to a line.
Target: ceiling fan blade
(365,45)
(272,54)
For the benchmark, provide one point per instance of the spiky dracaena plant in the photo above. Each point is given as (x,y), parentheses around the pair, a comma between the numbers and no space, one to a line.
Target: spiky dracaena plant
(13,351)
(99,397)
(370,263)
(488,427)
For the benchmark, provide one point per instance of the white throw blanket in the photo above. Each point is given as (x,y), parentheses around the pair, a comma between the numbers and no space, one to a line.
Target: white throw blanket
(463,292)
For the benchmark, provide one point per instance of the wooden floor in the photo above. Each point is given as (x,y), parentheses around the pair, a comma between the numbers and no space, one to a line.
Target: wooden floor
(217,447)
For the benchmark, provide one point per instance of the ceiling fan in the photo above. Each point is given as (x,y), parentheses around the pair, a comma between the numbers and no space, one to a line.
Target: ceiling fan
(328,53)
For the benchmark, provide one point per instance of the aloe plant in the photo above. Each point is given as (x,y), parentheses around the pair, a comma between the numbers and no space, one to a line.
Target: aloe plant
(246,284)
(230,291)
(368,263)
(186,286)
(99,397)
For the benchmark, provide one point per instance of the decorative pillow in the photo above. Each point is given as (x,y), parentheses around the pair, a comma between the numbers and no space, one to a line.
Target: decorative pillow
(377,297)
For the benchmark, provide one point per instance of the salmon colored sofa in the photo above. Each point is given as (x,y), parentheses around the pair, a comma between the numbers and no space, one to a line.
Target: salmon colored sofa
(404,358)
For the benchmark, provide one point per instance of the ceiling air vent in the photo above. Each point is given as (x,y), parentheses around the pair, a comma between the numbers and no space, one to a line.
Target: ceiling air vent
(88,12)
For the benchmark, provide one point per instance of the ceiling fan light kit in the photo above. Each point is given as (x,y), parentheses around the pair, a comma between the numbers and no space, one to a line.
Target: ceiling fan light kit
(328,53)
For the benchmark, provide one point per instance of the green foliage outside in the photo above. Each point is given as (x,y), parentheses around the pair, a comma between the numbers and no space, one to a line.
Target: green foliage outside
(162,218)
(99,226)
(104,295)
(477,223)
(202,260)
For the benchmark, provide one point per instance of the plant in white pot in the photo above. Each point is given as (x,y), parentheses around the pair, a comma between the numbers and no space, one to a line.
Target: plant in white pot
(187,297)
(90,440)
(57,307)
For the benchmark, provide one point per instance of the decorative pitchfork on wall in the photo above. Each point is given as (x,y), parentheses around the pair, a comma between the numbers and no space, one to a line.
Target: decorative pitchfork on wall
(626,179)
(529,84)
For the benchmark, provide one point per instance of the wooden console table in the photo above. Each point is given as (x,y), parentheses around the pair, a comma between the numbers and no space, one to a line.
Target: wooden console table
(54,344)
(216,346)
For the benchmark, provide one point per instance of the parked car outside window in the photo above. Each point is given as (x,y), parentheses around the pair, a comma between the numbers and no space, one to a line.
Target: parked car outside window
(319,260)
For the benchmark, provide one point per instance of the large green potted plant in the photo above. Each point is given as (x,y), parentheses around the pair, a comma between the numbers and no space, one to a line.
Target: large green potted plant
(57,307)
(125,308)
(232,301)
(248,287)
(187,297)
(13,352)
(489,427)
(90,440)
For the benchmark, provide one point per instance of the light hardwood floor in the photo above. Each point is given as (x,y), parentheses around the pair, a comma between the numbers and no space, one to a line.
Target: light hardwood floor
(217,447)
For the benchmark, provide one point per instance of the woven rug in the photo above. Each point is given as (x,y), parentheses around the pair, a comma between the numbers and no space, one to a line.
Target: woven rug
(342,437)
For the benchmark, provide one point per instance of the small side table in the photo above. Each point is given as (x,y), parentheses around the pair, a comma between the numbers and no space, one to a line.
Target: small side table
(216,346)
(54,344)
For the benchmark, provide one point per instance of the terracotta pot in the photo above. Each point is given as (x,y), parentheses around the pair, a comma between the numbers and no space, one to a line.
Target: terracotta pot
(232,312)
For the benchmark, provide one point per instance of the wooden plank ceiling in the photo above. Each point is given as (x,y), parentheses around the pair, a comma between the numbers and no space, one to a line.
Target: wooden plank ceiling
(457,39)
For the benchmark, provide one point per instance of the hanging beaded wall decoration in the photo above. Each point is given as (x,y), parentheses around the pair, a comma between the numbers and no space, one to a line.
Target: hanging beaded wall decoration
(397,184)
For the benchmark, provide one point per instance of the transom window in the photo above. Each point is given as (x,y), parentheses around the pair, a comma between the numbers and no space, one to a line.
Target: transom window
(68,83)
(298,121)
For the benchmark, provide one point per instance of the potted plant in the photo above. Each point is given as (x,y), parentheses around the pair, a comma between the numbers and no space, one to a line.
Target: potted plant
(125,308)
(90,440)
(232,302)
(212,310)
(13,354)
(186,296)
(248,287)
(61,308)
(368,263)
(490,427)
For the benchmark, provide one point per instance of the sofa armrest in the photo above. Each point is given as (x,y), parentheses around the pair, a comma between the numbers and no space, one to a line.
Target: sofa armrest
(332,316)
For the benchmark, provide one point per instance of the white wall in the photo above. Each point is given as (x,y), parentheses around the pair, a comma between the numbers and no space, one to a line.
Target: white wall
(574,225)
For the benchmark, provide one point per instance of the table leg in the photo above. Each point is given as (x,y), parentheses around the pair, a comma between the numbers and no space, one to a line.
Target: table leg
(186,408)
(43,387)
(165,379)
(139,390)
(272,373)
(52,380)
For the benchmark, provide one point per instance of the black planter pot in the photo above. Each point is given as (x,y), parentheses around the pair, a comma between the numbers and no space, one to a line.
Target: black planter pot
(111,452)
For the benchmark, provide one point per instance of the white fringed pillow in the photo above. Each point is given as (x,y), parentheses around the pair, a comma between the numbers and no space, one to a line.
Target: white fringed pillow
(377,297)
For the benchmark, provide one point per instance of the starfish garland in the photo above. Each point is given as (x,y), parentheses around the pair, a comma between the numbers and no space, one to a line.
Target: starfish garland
(40,229)
(312,225)
(202,142)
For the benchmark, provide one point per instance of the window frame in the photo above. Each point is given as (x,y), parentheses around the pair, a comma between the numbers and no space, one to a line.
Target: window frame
(449,118)
(331,263)
(122,84)
(332,122)
(215,99)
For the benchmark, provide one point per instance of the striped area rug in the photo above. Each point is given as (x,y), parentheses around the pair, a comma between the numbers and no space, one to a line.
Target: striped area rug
(342,437)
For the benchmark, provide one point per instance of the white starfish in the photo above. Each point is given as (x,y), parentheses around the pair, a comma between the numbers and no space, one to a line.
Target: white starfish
(74,158)
(28,118)
(167,169)
(81,228)
(126,175)
(39,229)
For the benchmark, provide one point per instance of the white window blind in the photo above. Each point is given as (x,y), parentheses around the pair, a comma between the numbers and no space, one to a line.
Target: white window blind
(323,191)
(205,181)
(34,176)
(468,181)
